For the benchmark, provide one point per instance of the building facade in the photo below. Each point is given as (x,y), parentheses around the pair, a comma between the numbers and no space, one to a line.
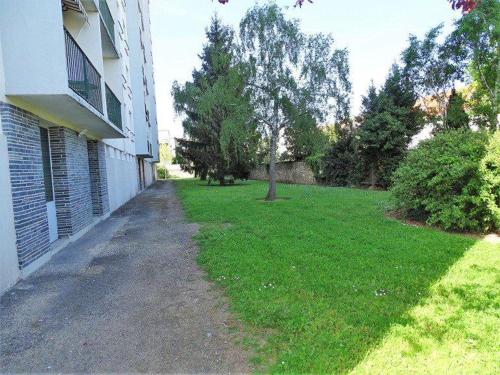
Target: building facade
(78,127)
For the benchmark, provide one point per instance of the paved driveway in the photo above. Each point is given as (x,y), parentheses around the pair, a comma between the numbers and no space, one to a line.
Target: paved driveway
(126,297)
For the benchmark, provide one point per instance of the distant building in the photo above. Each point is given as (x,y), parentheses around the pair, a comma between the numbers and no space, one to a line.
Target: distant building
(166,137)
(78,127)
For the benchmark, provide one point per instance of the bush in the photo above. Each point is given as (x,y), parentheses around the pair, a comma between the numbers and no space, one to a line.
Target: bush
(162,173)
(453,181)
(316,162)
(490,170)
(387,167)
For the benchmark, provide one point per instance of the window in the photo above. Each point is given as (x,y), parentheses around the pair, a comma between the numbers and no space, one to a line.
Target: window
(47,168)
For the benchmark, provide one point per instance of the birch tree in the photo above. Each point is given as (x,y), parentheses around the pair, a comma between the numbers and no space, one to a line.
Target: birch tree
(291,74)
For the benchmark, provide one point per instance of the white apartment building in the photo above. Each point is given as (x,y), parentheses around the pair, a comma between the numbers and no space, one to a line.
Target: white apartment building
(78,126)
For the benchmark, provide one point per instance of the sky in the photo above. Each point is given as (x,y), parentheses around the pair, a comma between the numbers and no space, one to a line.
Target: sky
(374,32)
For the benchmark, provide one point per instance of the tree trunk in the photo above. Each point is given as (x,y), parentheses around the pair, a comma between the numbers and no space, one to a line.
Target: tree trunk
(203,176)
(271,194)
(373,176)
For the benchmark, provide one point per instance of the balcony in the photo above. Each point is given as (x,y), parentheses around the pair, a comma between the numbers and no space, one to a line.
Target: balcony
(107,31)
(83,77)
(114,108)
(107,19)
(89,5)
(74,5)
(51,74)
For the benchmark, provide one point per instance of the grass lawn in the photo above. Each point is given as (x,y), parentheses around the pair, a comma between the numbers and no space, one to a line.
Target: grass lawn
(335,286)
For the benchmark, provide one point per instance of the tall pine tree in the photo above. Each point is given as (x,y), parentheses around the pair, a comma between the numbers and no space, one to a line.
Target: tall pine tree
(389,120)
(220,136)
(457,117)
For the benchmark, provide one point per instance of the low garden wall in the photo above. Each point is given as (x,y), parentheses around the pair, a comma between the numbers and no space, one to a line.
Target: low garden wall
(297,172)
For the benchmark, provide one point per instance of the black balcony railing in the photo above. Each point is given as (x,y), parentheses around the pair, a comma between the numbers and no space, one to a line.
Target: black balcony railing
(107,18)
(83,77)
(114,108)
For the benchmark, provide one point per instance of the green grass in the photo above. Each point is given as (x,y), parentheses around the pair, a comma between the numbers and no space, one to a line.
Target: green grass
(335,286)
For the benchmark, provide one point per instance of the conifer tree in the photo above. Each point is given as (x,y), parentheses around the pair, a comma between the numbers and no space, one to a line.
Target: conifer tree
(219,134)
(389,120)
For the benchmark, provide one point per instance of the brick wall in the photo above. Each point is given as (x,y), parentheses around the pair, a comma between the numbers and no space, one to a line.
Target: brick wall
(98,177)
(22,132)
(70,166)
(298,172)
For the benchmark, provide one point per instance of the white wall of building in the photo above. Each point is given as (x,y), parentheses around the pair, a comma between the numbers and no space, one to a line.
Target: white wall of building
(35,61)
(21,26)
(9,271)
(37,26)
(149,172)
(2,79)
(149,72)
(142,78)
(122,177)
(117,72)
(136,62)
(121,165)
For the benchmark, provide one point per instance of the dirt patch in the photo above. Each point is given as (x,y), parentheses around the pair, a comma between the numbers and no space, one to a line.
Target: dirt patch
(275,200)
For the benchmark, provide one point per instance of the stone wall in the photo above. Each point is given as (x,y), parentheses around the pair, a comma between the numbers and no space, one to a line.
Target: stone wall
(22,132)
(298,172)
